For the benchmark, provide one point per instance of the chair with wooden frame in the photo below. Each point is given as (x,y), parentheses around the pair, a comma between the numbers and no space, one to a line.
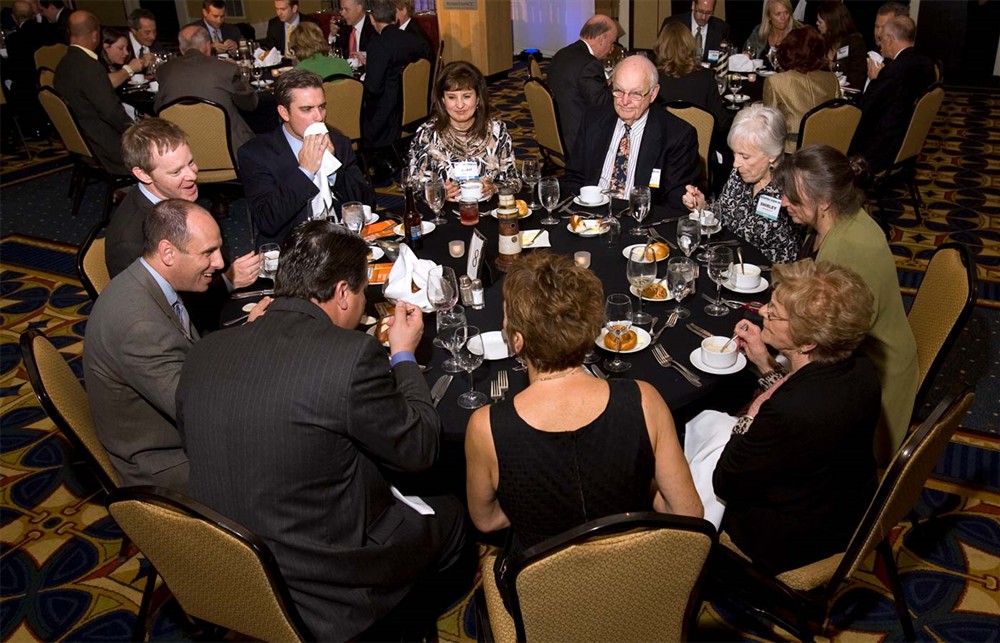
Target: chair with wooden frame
(90,263)
(50,55)
(218,570)
(799,599)
(545,121)
(831,123)
(629,577)
(703,123)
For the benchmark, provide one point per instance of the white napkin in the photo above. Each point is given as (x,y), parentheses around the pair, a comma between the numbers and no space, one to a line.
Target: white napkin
(535,239)
(842,79)
(266,59)
(353,62)
(704,439)
(409,268)
(413,502)
(875,56)
(740,63)
(322,201)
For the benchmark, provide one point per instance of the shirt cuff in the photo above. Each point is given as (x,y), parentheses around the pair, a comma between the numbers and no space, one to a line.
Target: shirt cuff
(400,357)
(309,175)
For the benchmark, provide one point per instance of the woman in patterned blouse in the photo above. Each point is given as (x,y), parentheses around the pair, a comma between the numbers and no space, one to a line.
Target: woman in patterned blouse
(462,131)
(750,202)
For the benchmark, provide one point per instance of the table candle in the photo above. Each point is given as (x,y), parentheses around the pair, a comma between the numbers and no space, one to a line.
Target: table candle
(752,77)
(582,258)
(456,248)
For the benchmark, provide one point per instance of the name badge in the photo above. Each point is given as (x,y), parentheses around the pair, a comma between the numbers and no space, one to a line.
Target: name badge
(843,51)
(713,55)
(768,207)
(654,178)
(465,170)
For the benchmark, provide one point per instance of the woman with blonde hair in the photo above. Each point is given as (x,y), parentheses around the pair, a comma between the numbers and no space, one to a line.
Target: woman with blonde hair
(776,22)
(312,50)
(681,75)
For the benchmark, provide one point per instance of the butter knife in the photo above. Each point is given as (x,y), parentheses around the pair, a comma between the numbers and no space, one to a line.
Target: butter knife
(439,388)
(698,330)
(562,205)
(267,292)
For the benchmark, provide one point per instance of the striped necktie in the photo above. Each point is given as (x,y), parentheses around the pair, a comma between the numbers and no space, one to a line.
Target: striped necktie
(182,316)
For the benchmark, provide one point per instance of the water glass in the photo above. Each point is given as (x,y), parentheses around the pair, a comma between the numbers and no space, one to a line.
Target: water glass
(638,200)
(680,281)
(640,272)
(548,191)
(531,172)
(353,215)
(720,267)
(269,265)
(688,235)
(434,194)
(453,338)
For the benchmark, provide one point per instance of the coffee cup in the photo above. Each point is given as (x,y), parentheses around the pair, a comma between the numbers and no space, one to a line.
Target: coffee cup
(746,276)
(368,212)
(590,194)
(472,191)
(714,356)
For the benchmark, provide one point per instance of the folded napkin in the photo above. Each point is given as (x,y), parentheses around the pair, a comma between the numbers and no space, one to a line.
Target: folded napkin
(324,200)
(740,63)
(705,437)
(842,79)
(877,57)
(263,58)
(535,239)
(409,270)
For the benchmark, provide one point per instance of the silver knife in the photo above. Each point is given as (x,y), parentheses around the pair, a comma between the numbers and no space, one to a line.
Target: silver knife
(698,330)
(439,388)
(267,292)
(598,372)
(562,205)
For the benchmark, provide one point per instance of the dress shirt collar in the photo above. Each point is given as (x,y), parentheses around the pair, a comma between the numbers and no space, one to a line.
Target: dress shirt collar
(293,142)
(90,52)
(136,47)
(294,23)
(358,27)
(589,48)
(403,26)
(168,290)
(149,195)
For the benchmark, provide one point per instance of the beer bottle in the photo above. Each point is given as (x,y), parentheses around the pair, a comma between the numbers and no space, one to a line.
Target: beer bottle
(412,225)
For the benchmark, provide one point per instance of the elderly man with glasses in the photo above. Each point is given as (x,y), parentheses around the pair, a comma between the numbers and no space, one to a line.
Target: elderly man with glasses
(625,144)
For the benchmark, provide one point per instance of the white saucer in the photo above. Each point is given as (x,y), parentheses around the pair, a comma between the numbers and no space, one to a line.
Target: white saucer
(370,218)
(494,347)
(583,204)
(627,252)
(714,229)
(635,292)
(248,307)
(588,232)
(493,213)
(741,362)
(426,227)
(642,342)
(766,72)
(742,98)
(761,287)
(377,253)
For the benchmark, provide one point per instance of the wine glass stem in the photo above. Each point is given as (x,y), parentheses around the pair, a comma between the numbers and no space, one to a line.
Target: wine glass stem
(718,294)
(472,382)
(640,302)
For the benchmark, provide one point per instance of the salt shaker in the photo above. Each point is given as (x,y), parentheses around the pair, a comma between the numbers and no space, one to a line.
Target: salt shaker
(478,295)
(465,289)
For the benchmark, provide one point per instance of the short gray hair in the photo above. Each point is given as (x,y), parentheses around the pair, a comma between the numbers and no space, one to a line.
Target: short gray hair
(139,14)
(195,39)
(763,127)
(652,75)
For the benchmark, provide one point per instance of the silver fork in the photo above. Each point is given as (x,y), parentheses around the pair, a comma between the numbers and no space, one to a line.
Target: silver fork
(665,360)
(495,391)
(504,385)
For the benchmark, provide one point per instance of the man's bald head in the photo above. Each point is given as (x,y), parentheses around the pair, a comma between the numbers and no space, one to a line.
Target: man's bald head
(84,29)
(599,32)
(194,37)
(22,11)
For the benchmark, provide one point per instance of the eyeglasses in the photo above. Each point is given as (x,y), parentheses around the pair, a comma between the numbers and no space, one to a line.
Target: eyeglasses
(699,12)
(770,312)
(632,96)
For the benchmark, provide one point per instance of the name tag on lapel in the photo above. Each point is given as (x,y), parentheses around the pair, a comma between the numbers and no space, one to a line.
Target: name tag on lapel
(843,52)
(768,207)
(654,178)
(713,55)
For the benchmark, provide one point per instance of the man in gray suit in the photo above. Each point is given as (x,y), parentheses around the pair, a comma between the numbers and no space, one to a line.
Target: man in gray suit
(198,73)
(137,338)
(223,36)
(292,425)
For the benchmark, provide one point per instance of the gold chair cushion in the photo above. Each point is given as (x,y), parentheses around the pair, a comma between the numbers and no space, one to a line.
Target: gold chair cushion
(500,620)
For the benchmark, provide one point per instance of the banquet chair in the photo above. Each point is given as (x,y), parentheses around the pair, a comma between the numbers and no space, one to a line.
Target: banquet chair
(347,93)
(50,55)
(799,599)
(86,166)
(438,64)
(535,69)
(703,123)
(16,121)
(46,77)
(927,107)
(90,263)
(943,303)
(416,82)
(630,577)
(831,123)
(218,570)
(545,121)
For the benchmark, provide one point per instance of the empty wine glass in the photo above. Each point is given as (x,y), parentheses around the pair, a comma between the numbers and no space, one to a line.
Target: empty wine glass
(720,267)
(618,316)
(442,293)
(452,339)
(257,73)
(641,272)
(688,235)
(548,191)
(470,357)
(434,193)
(638,200)
(735,86)
(353,215)
(680,280)
(531,172)
(721,82)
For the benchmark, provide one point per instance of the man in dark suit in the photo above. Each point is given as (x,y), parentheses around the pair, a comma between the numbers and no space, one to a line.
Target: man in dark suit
(887,104)
(283,171)
(142,35)
(82,81)
(56,15)
(281,25)
(224,37)
(387,56)
(628,144)
(708,31)
(198,73)
(291,424)
(404,18)
(357,32)
(19,68)
(576,75)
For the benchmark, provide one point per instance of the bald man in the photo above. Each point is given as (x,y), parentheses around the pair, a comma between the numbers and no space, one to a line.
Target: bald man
(576,74)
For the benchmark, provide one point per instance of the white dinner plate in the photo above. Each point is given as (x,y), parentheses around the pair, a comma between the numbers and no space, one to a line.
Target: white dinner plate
(627,252)
(426,227)
(635,292)
(742,98)
(741,362)
(377,253)
(642,342)
(761,287)
(588,232)
(371,331)
(583,204)
(494,347)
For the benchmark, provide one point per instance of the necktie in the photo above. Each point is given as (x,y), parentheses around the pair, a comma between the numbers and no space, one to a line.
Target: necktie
(619,173)
(216,36)
(699,43)
(288,34)
(352,43)
(182,316)
(143,51)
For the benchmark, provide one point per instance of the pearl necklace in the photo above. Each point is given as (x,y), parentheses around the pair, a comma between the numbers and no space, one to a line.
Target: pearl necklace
(557,375)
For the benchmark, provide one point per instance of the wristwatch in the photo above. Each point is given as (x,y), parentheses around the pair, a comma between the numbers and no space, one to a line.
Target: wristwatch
(131,72)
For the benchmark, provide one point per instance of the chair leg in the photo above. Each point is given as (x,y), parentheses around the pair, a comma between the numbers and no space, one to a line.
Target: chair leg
(899,599)
(109,195)
(139,629)
(914,192)
(73,177)
(123,548)
(78,192)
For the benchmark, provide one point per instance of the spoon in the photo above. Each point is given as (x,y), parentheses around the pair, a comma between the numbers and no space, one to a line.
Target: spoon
(739,254)
(726,345)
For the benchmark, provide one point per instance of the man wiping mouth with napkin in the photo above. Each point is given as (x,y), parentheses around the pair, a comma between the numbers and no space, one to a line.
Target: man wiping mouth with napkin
(299,171)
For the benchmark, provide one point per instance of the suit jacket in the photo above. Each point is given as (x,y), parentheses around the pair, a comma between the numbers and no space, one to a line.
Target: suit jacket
(279,193)
(797,482)
(794,93)
(195,74)
(289,423)
(134,348)
(387,55)
(276,32)
(83,84)
(668,143)
(368,33)
(577,81)
(717,29)
(887,105)
(229,32)
(20,64)
(427,50)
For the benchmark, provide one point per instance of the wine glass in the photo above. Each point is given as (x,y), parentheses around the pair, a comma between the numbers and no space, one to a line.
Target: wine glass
(618,316)
(257,74)
(641,272)
(688,235)
(680,279)
(638,200)
(353,215)
(735,86)
(434,193)
(548,190)
(720,267)
(531,172)
(721,82)
(470,357)
(452,339)
(442,293)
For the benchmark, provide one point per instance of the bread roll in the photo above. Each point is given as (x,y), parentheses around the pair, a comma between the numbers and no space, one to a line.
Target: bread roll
(628,340)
